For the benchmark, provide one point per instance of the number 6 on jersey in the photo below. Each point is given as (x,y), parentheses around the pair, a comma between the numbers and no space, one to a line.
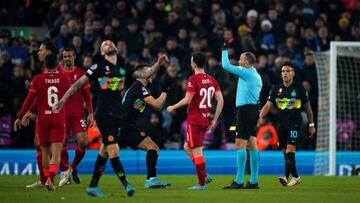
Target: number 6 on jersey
(52,96)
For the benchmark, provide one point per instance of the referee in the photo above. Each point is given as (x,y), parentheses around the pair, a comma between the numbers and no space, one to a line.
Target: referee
(247,97)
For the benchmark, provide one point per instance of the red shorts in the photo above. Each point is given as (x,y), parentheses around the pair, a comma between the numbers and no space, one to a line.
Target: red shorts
(195,135)
(50,132)
(75,125)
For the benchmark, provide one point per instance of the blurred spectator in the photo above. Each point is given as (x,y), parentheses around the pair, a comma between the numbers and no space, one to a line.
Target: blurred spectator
(155,130)
(262,69)
(323,38)
(246,41)
(267,39)
(134,39)
(294,53)
(309,41)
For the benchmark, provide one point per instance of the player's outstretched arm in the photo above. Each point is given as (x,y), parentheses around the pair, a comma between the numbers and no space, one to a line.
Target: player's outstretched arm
(220,104)
(153,69)
(184,102)
(264,111)
(309,113)
(79,83)
(158,103)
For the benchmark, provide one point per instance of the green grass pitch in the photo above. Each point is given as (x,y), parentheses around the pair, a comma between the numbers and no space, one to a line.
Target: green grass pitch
(312,189)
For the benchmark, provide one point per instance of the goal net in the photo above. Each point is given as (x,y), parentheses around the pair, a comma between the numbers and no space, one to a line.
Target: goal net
(338,127)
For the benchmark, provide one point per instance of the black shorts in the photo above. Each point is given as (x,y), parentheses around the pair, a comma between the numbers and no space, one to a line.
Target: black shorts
(246,121)
(109,129)
(131,136)
(289,135)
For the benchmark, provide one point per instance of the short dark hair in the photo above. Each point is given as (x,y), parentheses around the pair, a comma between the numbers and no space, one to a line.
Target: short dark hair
(288,64)
(69,50)
(51,61)
(51,47)
(250,57)
(199,59)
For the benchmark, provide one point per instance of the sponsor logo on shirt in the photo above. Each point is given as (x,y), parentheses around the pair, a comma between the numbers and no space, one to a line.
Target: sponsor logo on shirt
(286,103)
(112,83)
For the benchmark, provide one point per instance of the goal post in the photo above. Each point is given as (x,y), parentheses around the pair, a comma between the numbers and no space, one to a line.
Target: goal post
(338,72)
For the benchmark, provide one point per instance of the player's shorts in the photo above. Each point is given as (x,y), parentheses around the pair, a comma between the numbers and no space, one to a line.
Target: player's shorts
(195,135)
(109,129)
(75,125)
(246,121)
(50,132)
(131,136)
(289,135)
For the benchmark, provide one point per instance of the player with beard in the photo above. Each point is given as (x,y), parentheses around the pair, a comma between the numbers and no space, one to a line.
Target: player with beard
(109,76)
(75,118)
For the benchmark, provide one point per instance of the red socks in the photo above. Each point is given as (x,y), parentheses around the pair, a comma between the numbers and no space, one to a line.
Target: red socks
(64,160)
(43,177)
(191,156)
(53,171)
(200,169)
(79,155)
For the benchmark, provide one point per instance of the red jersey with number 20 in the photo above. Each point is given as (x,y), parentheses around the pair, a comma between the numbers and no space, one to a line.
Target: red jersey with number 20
(203,87)
(49,88)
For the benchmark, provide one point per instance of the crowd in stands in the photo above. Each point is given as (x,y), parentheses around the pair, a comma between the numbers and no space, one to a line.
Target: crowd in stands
(277,31)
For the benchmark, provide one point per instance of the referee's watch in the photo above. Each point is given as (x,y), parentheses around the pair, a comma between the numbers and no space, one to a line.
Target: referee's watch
(311,125)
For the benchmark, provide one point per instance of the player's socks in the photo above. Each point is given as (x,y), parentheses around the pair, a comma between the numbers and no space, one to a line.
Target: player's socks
(191,156)
(290,161)
(241,163)
(99,169)
(64,160)
(294,172)
(254,166)
(119,170)
(200,169)
(79,155)
(43,178)
(53,171)
(151,161)
(46,173)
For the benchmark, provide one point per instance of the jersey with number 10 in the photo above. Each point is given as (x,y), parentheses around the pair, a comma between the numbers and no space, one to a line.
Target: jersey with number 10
(49,88)
(203,87)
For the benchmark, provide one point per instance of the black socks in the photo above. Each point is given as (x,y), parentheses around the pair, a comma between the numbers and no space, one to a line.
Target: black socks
(99,168)
(118,169)
(151,161)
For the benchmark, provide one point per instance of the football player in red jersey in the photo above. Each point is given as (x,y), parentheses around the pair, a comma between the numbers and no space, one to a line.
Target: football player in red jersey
(47,88)
(45,49)
(201,88)
(75,118)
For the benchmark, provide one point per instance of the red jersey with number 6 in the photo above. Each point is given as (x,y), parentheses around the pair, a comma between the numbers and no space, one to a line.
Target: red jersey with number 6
(203,87)
(49,87)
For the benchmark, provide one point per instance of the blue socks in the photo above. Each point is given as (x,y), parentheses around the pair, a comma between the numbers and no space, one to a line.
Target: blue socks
(254,166)
(241,163)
